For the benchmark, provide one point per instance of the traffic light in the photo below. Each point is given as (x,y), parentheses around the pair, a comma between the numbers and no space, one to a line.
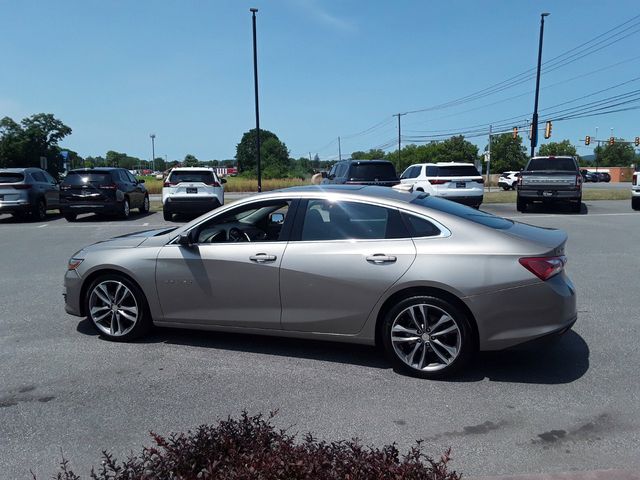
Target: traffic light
(547,129)
(637,142)
(612,140)
(587,140)
(515,132)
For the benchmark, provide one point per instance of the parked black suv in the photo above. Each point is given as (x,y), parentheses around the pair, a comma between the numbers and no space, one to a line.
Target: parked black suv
(102,190)
(362,172)
(27,191)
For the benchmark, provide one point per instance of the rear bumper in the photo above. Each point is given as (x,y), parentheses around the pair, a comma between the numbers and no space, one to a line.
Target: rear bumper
(471,200)
(549,195)
(518,315)
(190,204)
(635,192)
(109,208)
(15,207)
(504,184)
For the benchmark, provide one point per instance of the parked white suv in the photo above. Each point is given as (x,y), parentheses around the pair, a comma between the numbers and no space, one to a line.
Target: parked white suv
(191,190)
(460,182)
(508,180)
(635,191)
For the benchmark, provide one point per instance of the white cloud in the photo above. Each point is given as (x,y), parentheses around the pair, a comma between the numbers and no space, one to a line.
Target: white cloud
(321,15)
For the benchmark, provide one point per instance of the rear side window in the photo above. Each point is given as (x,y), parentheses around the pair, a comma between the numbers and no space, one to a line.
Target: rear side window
(463,211)
(204,176)
(564,164)
(82,178)
(420,227)
(8,177)
(371,171)
(39,177)
(456,171)
(412,172)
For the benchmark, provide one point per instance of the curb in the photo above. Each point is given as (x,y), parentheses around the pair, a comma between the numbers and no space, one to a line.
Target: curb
(592,475)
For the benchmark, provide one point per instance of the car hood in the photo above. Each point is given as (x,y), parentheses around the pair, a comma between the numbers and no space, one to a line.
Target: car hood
(129,240)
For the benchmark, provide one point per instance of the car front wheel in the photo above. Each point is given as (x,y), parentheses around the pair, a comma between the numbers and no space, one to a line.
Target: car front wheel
(117,308)
(427,337)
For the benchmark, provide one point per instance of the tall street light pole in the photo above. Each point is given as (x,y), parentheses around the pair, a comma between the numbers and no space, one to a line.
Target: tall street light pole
(534,122)
(153,150)
(255,82)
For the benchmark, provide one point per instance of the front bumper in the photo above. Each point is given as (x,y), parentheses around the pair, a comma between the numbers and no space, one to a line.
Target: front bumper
(518,315)
(72,293)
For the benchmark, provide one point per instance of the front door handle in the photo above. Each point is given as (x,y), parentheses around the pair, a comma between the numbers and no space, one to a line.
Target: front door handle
(379,258)
(262,257)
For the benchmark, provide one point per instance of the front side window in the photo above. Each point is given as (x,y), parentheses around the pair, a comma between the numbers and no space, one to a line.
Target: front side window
(326,220)
(255,222)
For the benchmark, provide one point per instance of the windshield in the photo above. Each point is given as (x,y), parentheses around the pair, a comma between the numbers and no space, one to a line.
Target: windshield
(462,211)
(372,171)
(9,177)
(82,178)
(203,176)
(564,164)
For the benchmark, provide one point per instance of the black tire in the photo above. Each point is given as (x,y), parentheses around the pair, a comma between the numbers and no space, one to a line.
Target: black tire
(144,208)
(521,205)
(168,216)
(506,188)
(635,203)
(436,309)
(69,217)
(143,321)
(39,211)
(125,209)
(576,207)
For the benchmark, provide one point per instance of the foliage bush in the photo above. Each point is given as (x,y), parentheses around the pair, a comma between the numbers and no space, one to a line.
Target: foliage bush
(251,447)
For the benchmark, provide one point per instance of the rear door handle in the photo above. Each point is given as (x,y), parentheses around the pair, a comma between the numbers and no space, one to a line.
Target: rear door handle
(381,258)
(262,257)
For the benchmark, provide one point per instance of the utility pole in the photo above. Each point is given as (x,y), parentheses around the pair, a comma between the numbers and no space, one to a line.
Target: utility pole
(255,83)
(153,150)
(339,150)
(399,136)
(598,141)
(534,121)
(489,159)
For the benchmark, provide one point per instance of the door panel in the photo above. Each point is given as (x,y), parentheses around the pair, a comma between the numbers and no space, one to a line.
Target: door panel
(332,286)
(220,284)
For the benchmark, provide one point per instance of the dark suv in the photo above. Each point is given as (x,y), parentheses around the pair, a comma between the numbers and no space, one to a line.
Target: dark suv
(102,190)
(25,191)
(362,172)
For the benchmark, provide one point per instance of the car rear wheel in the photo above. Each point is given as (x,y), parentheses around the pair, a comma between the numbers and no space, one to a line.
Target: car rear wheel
(39,211)
(168,216)
(635,203)
(144,208)
(427,337)
(117,308)
(576,207)
(521,205)
(70,217)
(125,210)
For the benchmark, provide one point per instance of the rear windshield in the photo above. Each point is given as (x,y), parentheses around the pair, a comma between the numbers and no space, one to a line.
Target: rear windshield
(203,176)
(457,171)
(564,164)
(371,171)
(82,178)
(462,211)
(8,177)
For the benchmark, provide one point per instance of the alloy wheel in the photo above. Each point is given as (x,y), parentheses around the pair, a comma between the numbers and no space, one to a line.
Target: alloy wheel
(113,308)
(426,337)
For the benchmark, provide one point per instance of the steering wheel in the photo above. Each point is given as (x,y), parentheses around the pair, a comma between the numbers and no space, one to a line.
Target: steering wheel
(236,235)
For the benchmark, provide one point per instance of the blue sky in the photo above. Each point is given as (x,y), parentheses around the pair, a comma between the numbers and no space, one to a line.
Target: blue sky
(117,70)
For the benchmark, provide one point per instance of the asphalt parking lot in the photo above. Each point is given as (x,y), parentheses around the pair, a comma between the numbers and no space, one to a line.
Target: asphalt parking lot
(574,405)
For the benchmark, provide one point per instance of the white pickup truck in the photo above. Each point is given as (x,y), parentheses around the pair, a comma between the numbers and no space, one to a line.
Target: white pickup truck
(635,191)
(550,180)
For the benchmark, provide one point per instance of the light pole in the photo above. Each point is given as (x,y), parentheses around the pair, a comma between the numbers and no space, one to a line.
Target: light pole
(153,150)
(255,82)
(534,122)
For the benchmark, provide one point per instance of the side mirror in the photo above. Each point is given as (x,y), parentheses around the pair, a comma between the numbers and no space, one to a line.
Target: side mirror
(141,180)
(276,218)
(324,174)
(223,180)
(186,239)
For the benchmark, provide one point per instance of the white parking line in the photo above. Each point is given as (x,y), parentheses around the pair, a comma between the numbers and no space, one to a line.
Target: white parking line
(41,226)
(552,215)
(145,224)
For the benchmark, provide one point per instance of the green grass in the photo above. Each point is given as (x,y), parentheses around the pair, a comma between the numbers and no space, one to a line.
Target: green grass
(587,195)
(236,184)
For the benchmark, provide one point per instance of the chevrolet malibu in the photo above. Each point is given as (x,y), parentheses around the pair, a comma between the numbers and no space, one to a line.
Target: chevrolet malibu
(429,280)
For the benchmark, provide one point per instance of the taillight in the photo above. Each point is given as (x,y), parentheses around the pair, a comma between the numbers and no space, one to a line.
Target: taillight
(169,184)
(109,187)
(22,186)
(544,267)
(579,181)
(519,180)
(438,182)
(635,179)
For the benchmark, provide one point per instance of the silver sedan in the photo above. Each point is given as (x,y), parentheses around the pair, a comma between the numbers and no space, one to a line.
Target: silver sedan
(430,280)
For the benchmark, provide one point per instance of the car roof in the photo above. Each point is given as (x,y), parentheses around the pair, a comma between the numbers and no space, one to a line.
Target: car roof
(95,169)
(442,164)
(370,191)
(17,170)
(365,161)
(189,169)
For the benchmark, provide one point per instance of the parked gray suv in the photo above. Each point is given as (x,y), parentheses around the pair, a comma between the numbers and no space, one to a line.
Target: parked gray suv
(28,191)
